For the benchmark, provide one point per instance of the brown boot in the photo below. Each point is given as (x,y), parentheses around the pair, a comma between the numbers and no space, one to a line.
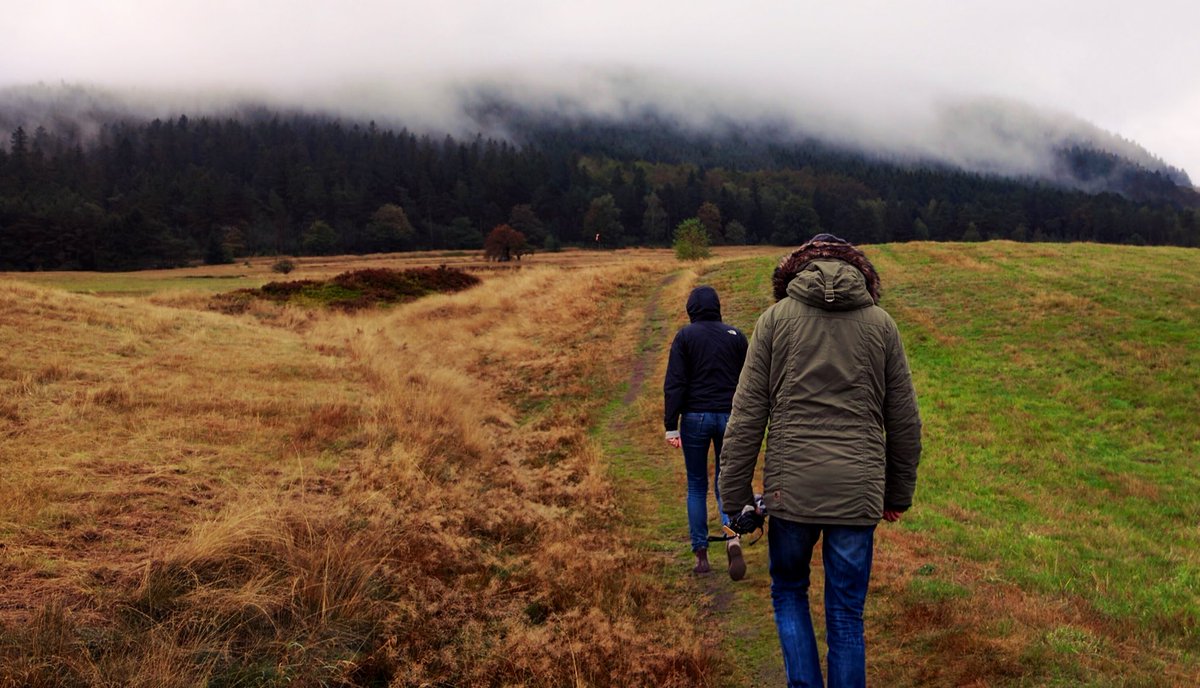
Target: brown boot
(737,564)
(702,566)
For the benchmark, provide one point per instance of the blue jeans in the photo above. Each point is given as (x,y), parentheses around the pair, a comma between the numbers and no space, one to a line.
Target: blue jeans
(696,431)
(846,555)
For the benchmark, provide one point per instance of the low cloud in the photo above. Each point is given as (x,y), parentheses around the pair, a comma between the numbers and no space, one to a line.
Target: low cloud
(983,87)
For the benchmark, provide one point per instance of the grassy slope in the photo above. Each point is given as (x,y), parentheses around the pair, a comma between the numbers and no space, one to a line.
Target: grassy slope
(406,495)
(1054,538)
(115,415)
(254,272)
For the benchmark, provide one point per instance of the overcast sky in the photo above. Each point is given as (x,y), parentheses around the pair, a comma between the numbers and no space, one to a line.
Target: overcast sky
(870,68)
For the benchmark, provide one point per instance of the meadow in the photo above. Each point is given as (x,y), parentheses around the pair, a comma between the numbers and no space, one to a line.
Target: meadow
(1055,538)
(472,489)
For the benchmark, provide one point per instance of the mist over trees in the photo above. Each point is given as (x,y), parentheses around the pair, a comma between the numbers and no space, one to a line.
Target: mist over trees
(177,191)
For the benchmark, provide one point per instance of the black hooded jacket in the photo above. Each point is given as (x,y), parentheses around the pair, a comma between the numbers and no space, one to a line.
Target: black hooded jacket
(706,360)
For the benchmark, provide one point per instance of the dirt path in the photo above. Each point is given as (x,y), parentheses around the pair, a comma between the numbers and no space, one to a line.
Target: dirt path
(652,480)
(652,324)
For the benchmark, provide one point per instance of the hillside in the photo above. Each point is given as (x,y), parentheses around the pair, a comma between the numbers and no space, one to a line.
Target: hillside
(988,137)
(473,488)
(126,190)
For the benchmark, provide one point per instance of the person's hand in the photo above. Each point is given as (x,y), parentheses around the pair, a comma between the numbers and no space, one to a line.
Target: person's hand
(675,442)
(891,516)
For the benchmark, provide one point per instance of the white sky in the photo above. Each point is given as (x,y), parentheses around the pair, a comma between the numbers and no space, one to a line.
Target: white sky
(871,67)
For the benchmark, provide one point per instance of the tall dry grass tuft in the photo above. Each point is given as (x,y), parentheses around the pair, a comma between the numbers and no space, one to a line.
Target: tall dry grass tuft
(276,590)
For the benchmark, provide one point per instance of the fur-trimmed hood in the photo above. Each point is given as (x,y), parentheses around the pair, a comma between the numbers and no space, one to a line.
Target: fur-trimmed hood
(824,247)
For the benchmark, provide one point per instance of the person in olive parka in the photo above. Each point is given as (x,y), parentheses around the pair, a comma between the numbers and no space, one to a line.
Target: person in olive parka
(827,373)
(702,373)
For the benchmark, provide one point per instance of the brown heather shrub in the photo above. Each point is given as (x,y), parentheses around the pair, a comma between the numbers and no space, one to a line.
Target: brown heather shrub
(353,290)
(232,303)
(283,266)
(413,282)
(280,291)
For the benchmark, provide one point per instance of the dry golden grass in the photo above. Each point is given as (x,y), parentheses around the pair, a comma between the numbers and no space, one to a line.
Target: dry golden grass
(192,282)
(126,424)
(947,254)
(403,497)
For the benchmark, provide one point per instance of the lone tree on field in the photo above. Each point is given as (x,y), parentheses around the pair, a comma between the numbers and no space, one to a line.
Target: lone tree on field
(504,243)
(691,240)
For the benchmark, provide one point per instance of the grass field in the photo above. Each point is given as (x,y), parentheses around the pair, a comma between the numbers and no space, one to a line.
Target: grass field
(255,272)
(1056,534)
(473,489)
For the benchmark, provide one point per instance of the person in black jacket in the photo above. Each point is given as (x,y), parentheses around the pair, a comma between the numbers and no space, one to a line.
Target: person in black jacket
(702,375)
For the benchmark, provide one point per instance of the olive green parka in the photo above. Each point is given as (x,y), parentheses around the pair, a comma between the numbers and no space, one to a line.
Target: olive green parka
(827,380)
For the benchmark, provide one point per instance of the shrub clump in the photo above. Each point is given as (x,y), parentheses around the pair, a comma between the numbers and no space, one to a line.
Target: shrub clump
(358,289)
(283,266)
(691,240)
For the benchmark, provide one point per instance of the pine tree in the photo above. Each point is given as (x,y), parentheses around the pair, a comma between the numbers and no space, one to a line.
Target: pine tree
(735,233)
(710,216)
(602,222)
(319,239)
(524,220)
(654,220)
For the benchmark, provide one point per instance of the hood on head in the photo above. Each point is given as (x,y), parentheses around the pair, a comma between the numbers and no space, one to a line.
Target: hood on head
(703,304)
(824,247)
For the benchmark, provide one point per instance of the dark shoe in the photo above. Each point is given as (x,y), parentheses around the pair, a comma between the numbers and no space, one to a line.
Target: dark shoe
(737,564)
(702,566)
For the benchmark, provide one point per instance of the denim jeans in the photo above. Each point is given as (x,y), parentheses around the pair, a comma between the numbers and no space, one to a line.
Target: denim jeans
(696,431)
(846,554)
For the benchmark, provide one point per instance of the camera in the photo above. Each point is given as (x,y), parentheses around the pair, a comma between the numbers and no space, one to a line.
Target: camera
(751,518)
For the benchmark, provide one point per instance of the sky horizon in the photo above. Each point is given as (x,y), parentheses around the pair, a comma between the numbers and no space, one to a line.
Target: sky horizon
(877,72)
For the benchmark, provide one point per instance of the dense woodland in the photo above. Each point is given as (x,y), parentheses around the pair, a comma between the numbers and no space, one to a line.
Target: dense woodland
(178,191)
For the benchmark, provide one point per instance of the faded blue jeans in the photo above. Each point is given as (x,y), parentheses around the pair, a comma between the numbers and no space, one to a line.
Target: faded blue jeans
(696,432)
(846,554)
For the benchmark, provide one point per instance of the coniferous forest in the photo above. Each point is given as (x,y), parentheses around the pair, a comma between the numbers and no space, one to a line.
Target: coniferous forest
(184,190)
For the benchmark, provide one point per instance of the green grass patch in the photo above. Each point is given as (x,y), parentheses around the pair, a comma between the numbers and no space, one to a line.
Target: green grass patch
(932,590)
(1059,388)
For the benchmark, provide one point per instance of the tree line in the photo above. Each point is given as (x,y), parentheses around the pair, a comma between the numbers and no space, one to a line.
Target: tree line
(177,191)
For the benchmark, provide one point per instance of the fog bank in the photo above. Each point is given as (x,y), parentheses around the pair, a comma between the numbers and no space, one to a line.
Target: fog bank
(973,85)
